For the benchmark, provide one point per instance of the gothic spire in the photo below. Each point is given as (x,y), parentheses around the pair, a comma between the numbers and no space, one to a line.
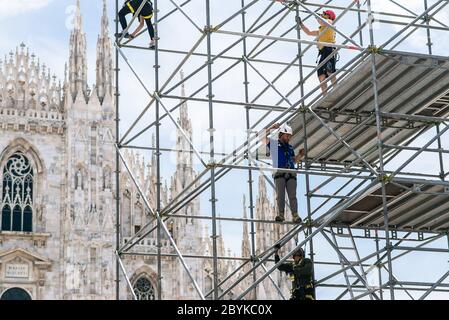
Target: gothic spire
(104,71)
(78,23)
(245,241)
(104,21)
(184,159)
(78,57)
(184,120)
(220,241)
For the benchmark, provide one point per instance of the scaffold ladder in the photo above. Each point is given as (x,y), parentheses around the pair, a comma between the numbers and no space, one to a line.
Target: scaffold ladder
(351,247)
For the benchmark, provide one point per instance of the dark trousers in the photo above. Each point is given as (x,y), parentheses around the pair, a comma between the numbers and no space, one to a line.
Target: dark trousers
(122,17)
(330,66)
(303,293)
(286,182)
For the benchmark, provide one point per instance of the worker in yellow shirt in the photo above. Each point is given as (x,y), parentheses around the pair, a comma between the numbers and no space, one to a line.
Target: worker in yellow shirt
(325,35)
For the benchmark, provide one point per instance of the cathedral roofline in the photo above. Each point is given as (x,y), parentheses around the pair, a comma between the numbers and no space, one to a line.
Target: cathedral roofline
(25,83)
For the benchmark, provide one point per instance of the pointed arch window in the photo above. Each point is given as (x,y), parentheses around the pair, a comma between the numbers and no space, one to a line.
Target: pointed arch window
(144,289)
(17,194)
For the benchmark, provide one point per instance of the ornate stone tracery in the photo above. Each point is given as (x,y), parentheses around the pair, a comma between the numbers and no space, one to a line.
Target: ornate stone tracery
(17,194)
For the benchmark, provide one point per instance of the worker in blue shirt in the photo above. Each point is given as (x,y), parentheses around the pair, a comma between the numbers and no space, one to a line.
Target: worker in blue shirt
(283,156)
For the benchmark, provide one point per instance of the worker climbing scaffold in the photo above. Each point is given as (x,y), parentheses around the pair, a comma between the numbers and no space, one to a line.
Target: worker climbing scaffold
(145,15)
(300,272)
(325,34)
(283,156)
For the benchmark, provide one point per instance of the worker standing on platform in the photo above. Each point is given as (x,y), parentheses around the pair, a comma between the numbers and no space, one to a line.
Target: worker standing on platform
(283,156)
(301,274)
(131,6)
(325,34)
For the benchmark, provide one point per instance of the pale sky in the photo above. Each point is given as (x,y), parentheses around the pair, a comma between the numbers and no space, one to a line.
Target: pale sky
(44,26)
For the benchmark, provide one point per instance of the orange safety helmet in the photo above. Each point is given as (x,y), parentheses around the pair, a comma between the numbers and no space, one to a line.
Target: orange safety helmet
(331,14)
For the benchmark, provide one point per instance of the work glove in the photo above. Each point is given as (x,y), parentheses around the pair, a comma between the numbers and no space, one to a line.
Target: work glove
(298,20)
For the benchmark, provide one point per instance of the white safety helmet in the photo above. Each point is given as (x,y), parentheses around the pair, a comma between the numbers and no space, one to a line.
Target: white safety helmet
(286,129)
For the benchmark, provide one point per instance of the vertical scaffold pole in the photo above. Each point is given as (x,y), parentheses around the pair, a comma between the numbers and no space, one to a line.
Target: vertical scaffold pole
(379,268)
(307,176)
(117,161)
(158,152)
(359,17)
(381,175)
(427,20)
(440,154)
(212,148)
(250,172)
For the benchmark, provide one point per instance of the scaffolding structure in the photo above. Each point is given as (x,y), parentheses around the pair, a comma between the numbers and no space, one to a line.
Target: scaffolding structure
(358,139)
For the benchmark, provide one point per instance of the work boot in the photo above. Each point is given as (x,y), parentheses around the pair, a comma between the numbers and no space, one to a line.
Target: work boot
(127,35)
(296,218)
(279,218)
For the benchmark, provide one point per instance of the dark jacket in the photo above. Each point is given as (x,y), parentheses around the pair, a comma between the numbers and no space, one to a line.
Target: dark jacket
(302,272)
(147,9)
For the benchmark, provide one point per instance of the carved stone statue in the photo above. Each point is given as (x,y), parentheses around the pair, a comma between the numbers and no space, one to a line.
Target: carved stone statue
(79,180)
(107,179)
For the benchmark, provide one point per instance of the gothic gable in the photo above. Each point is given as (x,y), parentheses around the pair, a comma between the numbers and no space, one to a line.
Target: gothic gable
(19,263)
(27,149)
(22,254)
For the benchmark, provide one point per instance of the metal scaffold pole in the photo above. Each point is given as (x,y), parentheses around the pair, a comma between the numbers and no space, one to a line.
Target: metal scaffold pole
(210,96)
(427,20)
(158,152)
(303,111)
(248,134)
(381,175)
(117,161)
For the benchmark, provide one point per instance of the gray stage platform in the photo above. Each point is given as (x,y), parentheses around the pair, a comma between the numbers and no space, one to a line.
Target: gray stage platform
(408,84)
(419,207)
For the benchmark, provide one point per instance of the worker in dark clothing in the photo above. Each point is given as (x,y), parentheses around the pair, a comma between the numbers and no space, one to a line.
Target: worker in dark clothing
(301,273)
(145,15)
(283,156)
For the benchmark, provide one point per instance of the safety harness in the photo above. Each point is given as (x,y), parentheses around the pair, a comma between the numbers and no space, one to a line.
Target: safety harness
(336,57)
(286,175)
(133,10)
(297,288)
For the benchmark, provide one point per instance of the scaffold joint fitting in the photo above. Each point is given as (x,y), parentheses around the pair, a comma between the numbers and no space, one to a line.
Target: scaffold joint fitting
(386,178)
(212,165)
(211,29)
(308,223)
(426,18)
(392,282)
(374,49)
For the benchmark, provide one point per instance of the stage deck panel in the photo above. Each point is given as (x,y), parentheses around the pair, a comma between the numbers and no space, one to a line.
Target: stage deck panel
(407,84)
(410,206)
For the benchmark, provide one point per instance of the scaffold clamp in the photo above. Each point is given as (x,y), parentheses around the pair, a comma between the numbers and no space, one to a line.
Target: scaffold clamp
(374,49)
(212,165)
(211,29)
(308,223)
